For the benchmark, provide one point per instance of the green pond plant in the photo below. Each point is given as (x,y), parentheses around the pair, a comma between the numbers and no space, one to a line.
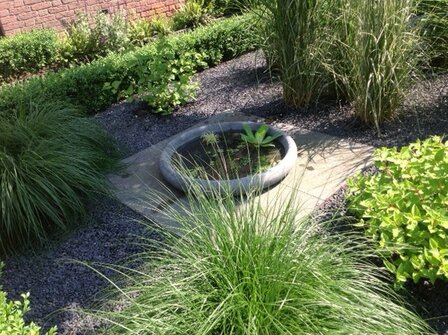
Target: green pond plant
(260,137)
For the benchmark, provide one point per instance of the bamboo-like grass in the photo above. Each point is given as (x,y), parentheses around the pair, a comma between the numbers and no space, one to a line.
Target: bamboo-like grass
(377,48)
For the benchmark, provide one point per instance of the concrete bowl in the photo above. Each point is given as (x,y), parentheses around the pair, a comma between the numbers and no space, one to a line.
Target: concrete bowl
(243,185)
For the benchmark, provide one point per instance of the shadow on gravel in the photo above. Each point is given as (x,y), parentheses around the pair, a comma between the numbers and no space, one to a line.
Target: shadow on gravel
(56,282)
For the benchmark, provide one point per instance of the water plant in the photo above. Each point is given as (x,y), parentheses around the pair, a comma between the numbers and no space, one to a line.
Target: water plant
(259,138)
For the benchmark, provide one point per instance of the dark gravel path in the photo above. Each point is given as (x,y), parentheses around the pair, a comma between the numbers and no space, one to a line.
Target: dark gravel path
(239,85)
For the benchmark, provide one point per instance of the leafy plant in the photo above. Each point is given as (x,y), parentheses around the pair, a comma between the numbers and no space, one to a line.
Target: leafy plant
(164,80)
(11,316)
(404,208)
(210,138)
(227,7)
(27,52)
(51,162)
(242,268)
(143,31)
(84,41)
(191,15)
(260,137)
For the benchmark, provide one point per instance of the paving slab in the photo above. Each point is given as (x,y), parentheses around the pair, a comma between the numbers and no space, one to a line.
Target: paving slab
(323,165)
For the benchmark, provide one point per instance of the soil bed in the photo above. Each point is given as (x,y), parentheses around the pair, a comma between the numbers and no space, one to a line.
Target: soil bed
(241,85)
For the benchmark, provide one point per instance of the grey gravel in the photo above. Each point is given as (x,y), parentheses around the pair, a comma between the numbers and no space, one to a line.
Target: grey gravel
(236,85)
(241,85)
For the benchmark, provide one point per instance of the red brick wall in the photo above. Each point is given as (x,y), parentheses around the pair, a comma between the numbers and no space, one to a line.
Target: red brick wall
(22,15)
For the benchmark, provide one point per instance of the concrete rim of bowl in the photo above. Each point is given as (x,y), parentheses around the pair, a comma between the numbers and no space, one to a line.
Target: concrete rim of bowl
(246,184)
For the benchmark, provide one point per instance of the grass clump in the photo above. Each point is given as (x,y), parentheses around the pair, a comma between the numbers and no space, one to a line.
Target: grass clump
(241,269)
(295,43)
(51,162)
(379,56)
(434,17)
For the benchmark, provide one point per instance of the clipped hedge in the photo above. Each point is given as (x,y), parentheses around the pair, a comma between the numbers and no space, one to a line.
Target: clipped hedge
(27,52)
(83,85)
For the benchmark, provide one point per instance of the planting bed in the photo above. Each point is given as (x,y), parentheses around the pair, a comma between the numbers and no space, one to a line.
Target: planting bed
(239,85)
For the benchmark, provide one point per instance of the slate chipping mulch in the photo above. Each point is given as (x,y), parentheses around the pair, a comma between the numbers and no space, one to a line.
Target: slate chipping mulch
(241,85)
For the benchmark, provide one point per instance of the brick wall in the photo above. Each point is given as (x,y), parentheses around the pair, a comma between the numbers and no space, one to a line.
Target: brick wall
(23,15)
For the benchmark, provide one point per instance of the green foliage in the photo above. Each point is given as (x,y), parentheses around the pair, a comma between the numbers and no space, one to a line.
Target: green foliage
(11,316)
(83,85)
(51,162)
(84,41)
(227,7)
(296,42)
(434,17)
(27,52)
(240,268)
(164,80)
(260,138)
(191,15)
(142,31)
(404,208)
(376,56)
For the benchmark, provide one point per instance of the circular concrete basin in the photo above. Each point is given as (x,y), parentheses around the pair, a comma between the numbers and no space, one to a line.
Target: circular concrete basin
(245,184)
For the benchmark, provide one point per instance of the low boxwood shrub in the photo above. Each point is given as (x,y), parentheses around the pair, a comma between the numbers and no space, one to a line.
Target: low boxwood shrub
(83,85)
(52,162)
(27,52)
(404,208)
(11,316)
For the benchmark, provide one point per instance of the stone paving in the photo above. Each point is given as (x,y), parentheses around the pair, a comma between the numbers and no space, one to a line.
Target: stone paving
(324,163)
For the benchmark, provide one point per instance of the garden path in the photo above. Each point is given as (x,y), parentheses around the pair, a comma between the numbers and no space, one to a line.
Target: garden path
(324,163)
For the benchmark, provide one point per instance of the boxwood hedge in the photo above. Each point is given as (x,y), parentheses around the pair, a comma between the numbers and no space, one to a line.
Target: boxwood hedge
(27,52)
(83,85)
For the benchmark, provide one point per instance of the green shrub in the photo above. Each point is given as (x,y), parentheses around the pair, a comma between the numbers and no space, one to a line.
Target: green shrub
(84,41)
(27,52)
(404,208)
(244,269)
(191,15)
(83,85)
(11,316)
(142,31)
(376,57)
(434,17)
(164,80)
(51,163)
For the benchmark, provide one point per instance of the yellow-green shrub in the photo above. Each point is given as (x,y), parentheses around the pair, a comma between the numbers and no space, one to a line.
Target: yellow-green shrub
(404,207)
(11,317)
